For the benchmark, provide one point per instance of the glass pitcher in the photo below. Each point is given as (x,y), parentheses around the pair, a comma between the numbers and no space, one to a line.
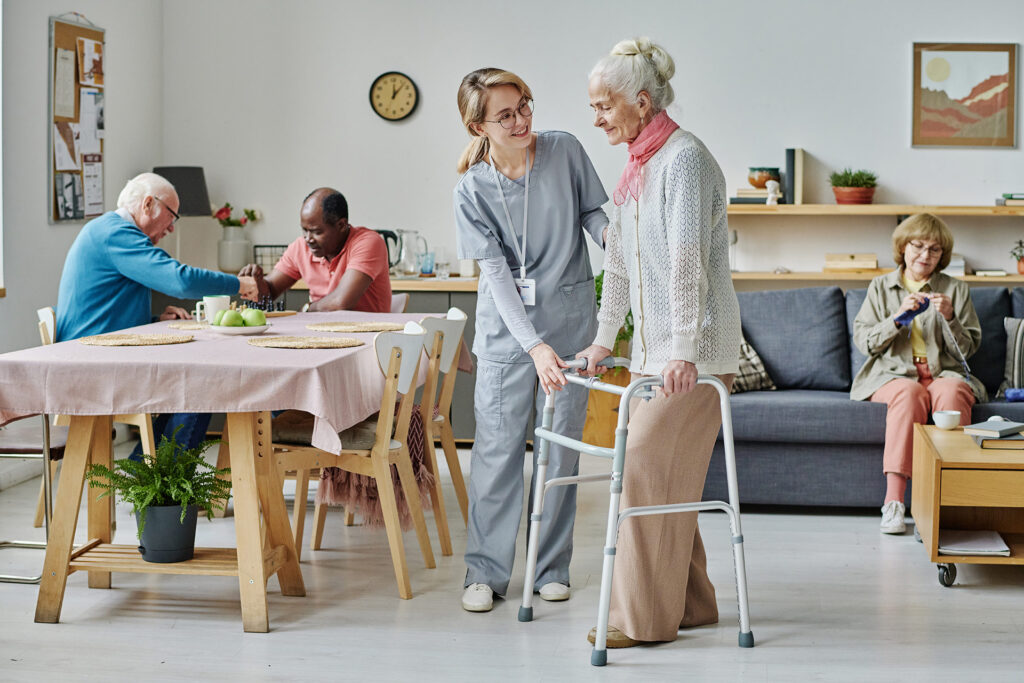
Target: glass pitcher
(412,246)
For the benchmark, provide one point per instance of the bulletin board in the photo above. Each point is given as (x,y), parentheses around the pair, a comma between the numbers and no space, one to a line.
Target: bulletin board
(76,125)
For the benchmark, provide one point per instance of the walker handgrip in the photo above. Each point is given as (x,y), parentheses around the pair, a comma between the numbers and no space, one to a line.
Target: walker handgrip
(578,364)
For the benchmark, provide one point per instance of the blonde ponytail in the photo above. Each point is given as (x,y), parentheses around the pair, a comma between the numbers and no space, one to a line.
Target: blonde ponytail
(472,99)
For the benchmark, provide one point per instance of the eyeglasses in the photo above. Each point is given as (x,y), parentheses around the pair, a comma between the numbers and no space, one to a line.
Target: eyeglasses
(920,247)
(508,119)
(173,212)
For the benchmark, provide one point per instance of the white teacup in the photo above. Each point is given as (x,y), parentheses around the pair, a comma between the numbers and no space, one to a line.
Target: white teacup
(206,310)
(946,419)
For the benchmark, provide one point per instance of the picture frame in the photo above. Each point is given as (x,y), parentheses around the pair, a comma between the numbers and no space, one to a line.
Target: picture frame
(964,95)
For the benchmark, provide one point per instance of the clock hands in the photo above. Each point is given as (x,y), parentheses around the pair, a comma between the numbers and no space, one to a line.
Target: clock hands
(396,90)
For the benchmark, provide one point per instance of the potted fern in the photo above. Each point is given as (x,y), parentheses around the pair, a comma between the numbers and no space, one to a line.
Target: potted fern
(167,490)
(853,187)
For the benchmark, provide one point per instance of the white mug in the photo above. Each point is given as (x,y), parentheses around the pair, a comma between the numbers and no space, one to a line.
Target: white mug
(206,310)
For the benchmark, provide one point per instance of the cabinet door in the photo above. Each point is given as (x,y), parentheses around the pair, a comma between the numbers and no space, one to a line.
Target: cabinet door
(463,421)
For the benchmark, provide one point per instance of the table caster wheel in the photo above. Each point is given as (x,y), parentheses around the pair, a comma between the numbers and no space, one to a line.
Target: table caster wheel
(947,574)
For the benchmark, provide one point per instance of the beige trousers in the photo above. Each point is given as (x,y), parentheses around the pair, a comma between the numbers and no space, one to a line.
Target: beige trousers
(661,581)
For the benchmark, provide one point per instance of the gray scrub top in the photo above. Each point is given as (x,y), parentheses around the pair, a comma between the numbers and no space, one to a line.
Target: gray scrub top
(565,200)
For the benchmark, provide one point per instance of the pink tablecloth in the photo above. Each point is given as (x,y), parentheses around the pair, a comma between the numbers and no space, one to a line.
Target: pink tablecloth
(214,373)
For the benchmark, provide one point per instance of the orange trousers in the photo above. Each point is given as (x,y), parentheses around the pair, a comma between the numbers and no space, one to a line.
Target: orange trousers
(912,402)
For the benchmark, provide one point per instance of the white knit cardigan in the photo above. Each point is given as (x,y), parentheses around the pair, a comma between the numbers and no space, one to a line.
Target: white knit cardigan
(667,258)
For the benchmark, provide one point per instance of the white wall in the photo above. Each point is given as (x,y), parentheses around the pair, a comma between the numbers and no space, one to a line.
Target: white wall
(272,99)
(33,250)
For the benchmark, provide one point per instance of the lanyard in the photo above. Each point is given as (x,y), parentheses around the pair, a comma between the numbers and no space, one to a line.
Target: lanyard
(520,251)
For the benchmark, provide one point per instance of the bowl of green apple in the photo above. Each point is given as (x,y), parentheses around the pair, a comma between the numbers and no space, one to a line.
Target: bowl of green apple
(246,321)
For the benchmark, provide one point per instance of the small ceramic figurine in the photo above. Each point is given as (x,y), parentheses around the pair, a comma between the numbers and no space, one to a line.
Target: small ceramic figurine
(773,192)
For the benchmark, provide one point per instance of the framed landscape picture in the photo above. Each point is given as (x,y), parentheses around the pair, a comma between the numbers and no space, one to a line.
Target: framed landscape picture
(965,94)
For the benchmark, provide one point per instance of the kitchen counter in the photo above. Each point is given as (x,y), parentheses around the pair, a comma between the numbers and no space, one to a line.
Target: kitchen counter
(423,284)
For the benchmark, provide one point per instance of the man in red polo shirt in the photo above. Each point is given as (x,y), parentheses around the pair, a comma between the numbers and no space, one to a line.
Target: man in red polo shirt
(345,267)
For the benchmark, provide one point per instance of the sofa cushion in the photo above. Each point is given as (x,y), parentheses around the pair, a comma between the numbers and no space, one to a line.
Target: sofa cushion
(854,300)
(988,362)
(804,416)
(751,375)
(1011,411)
(800,335)
(1017,302)
(1013,374)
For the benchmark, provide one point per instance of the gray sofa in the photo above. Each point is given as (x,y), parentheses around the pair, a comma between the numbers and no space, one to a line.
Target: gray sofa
(807,443)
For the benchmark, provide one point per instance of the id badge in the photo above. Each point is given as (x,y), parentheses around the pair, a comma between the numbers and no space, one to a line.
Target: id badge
(527,290)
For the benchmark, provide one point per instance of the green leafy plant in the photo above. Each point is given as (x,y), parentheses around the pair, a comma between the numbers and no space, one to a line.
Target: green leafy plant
(173,475)
(1018,251)
(625,334)
(850,178)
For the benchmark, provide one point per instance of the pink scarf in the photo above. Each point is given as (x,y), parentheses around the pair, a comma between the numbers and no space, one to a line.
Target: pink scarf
(646,145)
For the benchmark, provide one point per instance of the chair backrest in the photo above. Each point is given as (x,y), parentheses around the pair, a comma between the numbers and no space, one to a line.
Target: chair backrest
(399,302)
(398,354)
(442,343)
(47,324)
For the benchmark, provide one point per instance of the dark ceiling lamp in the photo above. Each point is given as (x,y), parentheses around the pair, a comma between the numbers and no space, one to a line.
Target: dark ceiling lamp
(190,184)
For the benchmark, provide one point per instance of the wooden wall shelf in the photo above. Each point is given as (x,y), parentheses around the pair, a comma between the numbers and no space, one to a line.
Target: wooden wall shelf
(872,210)
(862,276)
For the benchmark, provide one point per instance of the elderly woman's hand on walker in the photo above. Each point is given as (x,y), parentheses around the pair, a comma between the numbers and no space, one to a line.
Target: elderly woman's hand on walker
(549,367)
(594,355)
(679,376)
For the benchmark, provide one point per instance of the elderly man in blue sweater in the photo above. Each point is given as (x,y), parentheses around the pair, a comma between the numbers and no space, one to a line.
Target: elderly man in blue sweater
(114,264)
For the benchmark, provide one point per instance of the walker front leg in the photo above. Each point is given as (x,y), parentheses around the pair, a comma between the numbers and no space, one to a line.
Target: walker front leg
(599,656)
(539,477)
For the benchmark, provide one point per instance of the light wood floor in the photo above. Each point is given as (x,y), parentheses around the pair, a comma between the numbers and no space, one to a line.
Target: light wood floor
(831,599)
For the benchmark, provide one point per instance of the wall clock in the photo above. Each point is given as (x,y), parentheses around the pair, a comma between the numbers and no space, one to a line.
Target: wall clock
(393,96)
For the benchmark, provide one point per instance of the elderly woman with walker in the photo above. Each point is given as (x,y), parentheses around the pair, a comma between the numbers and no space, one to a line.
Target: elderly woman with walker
(667,259)
(523,204)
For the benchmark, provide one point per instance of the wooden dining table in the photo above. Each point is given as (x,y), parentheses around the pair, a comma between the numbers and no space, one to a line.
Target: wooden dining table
(212,373)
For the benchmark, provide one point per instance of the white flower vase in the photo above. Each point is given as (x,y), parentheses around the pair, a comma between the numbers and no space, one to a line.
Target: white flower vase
(234,251)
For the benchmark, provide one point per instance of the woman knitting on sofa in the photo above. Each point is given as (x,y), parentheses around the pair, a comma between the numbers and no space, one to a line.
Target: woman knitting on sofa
(915,365)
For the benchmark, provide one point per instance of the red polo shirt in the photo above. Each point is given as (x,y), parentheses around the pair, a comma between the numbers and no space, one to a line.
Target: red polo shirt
(364,251)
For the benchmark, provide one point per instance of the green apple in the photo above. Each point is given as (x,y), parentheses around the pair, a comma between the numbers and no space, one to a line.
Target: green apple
(253,317)
(218,316)
(232,319)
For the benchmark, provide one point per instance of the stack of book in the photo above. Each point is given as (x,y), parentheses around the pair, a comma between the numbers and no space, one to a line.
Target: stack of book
(793,178)
(850,263)
(750,195)
(1011,199)
(997,434)
(957,266)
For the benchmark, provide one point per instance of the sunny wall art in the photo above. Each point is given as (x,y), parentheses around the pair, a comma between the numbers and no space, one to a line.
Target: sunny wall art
(964,94)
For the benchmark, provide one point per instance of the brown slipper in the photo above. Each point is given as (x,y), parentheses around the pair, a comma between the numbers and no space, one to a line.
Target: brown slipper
(615,638)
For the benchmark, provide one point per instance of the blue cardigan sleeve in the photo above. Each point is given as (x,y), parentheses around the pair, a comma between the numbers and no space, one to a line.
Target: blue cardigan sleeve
(138,259)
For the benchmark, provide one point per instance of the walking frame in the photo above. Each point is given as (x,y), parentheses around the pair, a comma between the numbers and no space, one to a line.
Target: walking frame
(47,503)
(643,387)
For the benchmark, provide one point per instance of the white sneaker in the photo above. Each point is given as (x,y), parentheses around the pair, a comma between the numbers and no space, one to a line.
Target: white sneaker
(554,592)
(478,597)
(893,518)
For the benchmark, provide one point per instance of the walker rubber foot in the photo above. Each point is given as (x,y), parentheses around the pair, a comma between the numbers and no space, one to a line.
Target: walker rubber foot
(747,639)
(599,657)
(525,613)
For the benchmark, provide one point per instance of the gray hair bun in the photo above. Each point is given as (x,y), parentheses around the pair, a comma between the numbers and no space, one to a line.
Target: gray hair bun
(664,67)
(637,65)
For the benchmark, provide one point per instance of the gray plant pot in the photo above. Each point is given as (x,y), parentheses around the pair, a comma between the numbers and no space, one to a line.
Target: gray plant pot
(166,539)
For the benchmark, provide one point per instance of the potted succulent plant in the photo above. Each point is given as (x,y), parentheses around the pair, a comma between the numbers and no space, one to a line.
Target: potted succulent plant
(853,187)
(1018,255)
(167,489)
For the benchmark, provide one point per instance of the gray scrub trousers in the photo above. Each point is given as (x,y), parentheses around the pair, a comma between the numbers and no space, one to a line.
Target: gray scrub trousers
(565,205)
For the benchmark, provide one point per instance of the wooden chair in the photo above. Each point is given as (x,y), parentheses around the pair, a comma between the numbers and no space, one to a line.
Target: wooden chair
(442,343)
(20,440)
(371,448)
(399,302)
(47,329)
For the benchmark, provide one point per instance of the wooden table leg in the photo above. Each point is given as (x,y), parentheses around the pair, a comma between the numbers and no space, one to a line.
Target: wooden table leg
(252,577)
(65,519)
(275,512)
(100,510)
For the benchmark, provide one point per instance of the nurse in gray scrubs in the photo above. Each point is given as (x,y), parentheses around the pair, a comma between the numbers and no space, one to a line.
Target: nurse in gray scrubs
(523,205)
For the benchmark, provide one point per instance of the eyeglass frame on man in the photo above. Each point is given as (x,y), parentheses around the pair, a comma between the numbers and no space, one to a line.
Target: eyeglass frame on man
(173,212)
(512,115)
(919,247)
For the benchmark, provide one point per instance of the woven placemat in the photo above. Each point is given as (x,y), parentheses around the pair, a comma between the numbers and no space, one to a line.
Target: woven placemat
(353,328)
(305,342)
(136,339)
(189,325)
